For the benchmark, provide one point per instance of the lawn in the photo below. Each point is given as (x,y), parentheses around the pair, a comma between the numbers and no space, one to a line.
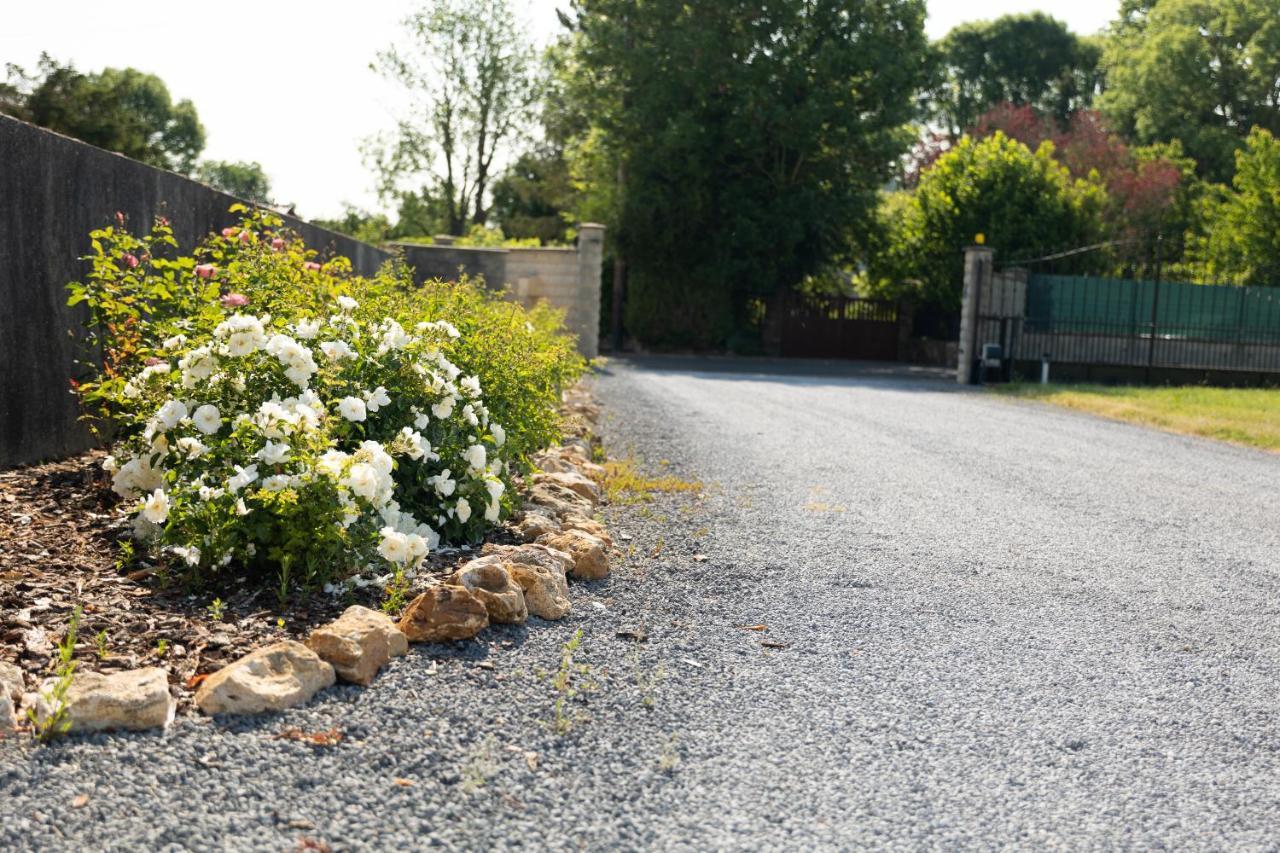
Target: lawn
(1248,416)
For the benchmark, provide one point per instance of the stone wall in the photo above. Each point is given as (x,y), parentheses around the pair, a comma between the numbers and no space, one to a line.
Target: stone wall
(567,278)
(53,191)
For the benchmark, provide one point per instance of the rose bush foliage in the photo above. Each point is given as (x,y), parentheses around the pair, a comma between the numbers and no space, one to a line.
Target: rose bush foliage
(277,414)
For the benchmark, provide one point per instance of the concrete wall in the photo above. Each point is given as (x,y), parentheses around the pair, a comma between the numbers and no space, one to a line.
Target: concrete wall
(446,262)
(53,192)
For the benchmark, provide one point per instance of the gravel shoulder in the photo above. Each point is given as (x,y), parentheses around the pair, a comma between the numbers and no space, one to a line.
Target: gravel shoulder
(985,624)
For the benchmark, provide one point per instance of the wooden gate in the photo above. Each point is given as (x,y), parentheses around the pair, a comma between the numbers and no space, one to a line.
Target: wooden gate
(839,327)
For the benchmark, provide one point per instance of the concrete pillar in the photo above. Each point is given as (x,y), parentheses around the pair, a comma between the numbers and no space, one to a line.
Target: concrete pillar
(590,258)
(978,264)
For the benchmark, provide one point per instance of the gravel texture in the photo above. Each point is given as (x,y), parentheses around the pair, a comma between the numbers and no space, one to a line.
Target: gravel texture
(987,623)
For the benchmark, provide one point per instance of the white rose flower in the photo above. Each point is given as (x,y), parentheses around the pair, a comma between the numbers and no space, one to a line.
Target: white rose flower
(444,408)
(499,434)
(175,342)
(156,507)
(377,398)
(242,478)
(443,483)
(394,546)
(110,465)
(362,478)
(352,408)
(475,457)
(491,511)
(463,509)
(420,419)
(207,419)
(192,447)
(241,509)
(337,350)
(347,304)
(471,385)
(171,413)
(306,329)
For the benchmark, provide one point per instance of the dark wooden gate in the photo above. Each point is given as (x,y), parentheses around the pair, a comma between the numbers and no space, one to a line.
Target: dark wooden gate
(839,327)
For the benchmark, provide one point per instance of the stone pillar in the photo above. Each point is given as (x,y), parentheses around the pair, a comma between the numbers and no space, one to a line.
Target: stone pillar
(978,263)
(590,258)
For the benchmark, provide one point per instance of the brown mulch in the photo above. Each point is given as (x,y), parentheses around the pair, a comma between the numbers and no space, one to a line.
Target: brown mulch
(60,529)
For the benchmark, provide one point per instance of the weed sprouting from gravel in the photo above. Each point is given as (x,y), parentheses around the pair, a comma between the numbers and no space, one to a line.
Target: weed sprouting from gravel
(669,758)
(481,765)
(569,680)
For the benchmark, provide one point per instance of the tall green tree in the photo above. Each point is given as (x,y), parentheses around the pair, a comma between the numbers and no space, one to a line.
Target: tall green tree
(1202,71)
(119,109)
(472,76)
(1025,60)
(1242,243)
(1024,204)
(243,180)
(749,140)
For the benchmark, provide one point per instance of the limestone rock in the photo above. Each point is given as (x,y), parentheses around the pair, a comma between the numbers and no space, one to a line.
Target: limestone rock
(8,714)
(11,681)
(587,525)
(490,581)
(546,592)
(135,700)
(444,612)
(590,559)
(534,524)
(272,678)
(583,487)
(530,553)
(358,643)
(558,500)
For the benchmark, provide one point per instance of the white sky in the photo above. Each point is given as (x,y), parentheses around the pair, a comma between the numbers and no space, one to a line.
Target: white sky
(287,82)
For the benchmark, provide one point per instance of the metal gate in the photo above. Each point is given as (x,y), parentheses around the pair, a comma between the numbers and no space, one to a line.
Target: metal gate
(840,327)
(1151,324)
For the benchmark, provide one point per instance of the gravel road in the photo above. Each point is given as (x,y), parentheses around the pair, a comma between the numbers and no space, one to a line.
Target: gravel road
(988,623)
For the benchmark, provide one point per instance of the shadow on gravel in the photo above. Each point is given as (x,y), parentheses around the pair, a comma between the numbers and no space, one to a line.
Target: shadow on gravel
(798,371)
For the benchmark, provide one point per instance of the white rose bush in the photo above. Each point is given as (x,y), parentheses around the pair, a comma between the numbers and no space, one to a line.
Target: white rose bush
(335,436)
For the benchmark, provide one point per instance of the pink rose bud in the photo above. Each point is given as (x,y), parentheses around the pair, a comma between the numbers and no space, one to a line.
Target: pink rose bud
(234,300)
(162,221)
(151,362)
(119,218)
(312,266)
(246,236)
(277,243)
(206,270)
(129,260)
(228,233)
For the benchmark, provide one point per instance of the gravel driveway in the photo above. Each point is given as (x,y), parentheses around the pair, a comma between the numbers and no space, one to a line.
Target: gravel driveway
(988,623)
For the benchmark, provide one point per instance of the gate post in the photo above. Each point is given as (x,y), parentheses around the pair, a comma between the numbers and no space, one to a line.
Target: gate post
(978,264)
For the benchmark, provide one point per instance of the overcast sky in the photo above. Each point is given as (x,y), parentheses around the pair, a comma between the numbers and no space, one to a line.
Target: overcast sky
(287,82)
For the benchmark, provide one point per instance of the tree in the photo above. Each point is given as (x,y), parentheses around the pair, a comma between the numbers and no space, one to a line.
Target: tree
(243,180)
(1242,244)
(372,228)
(1151,190)
(750,138)
(1025,60)
(1201,71)
(119,109)
(534,196)
(1025,204)
(471,73)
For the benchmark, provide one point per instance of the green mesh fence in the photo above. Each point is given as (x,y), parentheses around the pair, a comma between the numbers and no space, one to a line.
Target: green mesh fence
(1174,310)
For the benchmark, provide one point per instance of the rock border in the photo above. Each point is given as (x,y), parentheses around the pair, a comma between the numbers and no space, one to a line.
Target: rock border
(504,585)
